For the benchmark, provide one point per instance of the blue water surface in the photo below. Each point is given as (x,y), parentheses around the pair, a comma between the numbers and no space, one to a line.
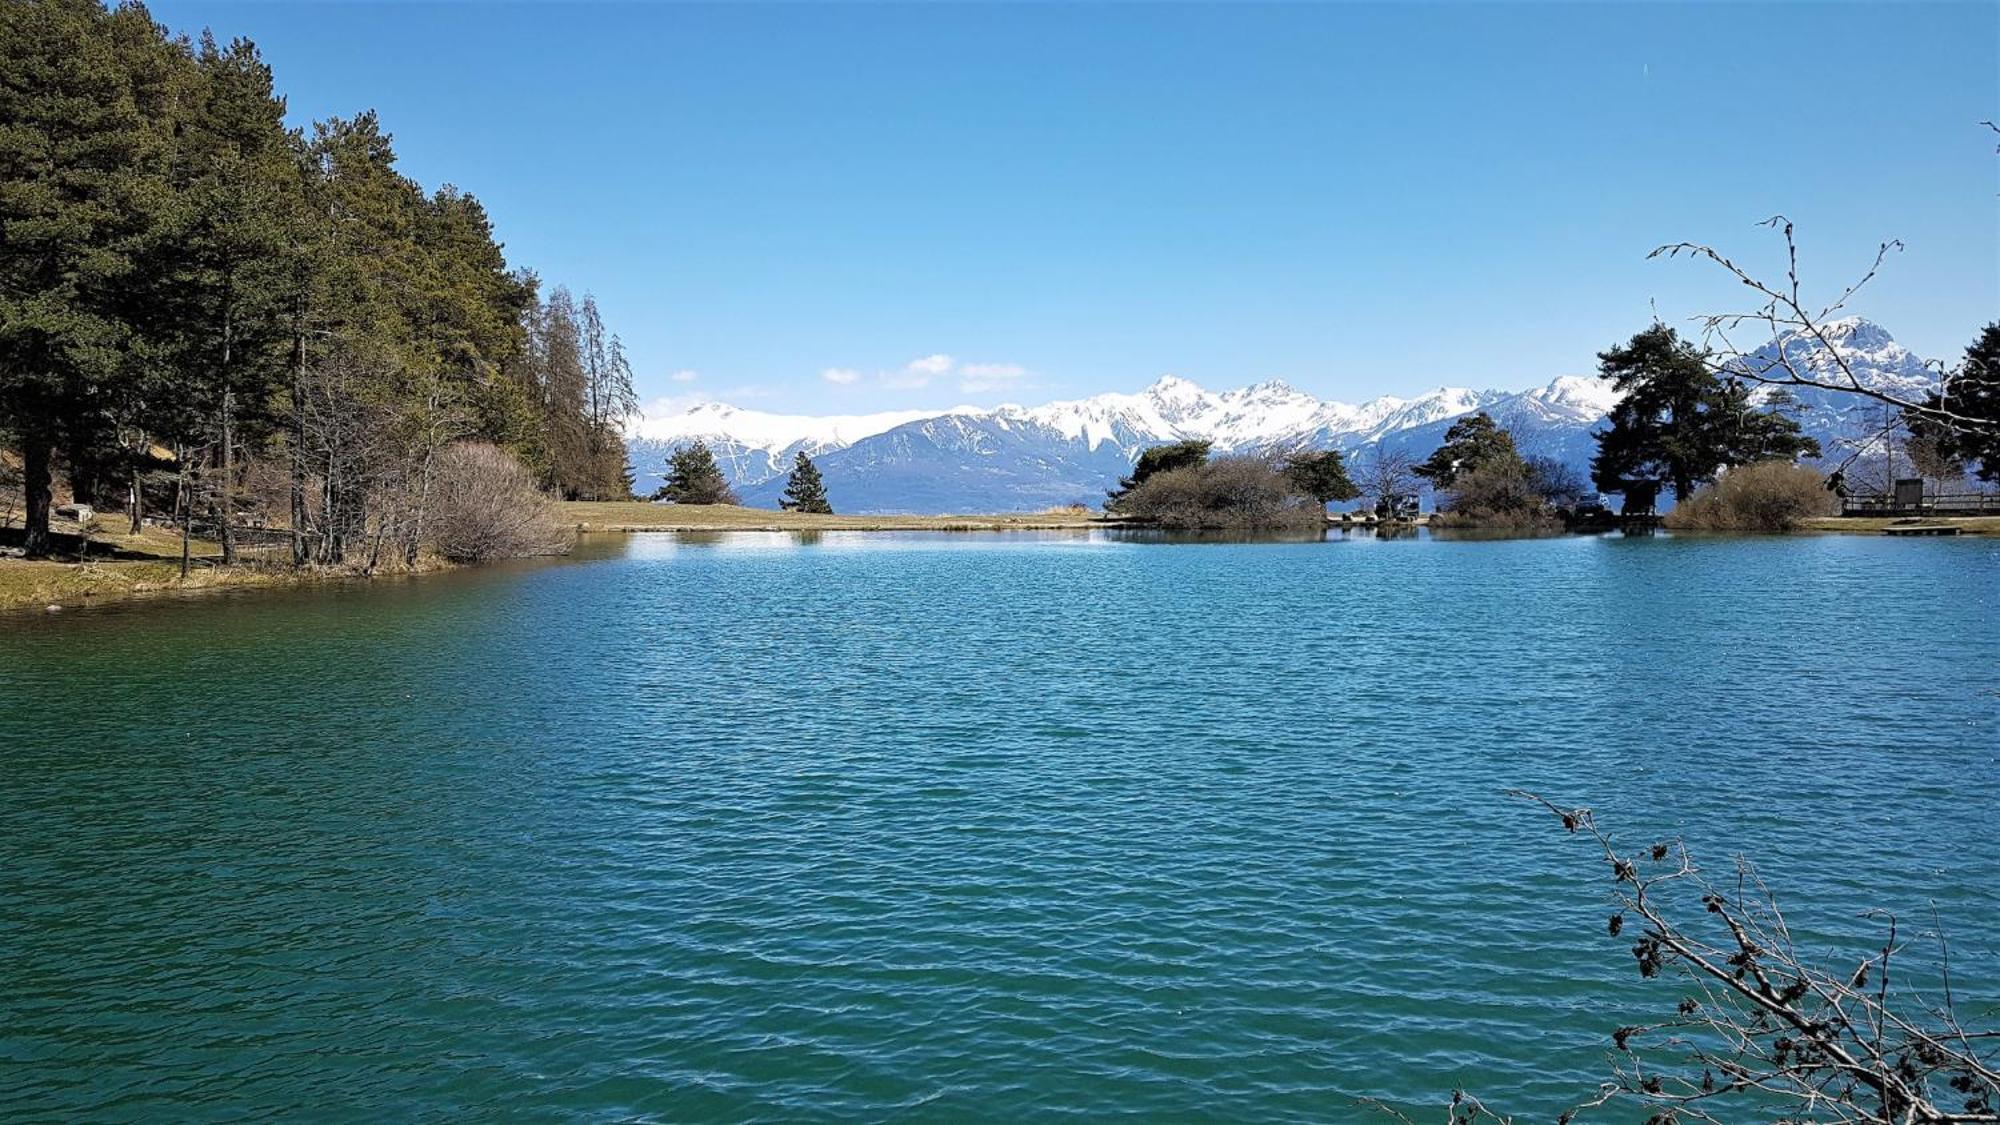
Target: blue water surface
(957,827)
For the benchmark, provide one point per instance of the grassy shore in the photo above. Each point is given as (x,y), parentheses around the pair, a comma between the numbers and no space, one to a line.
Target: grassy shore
(148,564)
(119,566)
(1867,525)
(26,584)
(636,515)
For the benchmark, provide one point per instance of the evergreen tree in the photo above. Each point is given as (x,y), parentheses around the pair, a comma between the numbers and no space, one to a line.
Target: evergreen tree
(220,264)
(1320,474)
(805,491)
(1475,442)
(1745,434)
(1679,422)
(694,478)
(86,103)
(178,268)
(1159,459)
(1973,394)
(1655,431)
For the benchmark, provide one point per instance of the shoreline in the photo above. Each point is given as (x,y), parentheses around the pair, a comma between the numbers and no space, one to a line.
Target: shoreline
(52,585)
(47,585)
(593,516)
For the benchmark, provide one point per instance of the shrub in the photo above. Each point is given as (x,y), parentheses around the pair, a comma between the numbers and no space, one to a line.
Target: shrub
(1157,459)
(485,506)
(1497,493)
(1230,493)
(1772,496)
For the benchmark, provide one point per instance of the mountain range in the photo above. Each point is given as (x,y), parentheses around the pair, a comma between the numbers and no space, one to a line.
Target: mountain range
(1019,458)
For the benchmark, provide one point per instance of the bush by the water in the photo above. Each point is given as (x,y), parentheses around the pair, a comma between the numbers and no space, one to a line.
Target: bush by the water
(1229,493)
(1497,494)
(1772,496)
(486,506)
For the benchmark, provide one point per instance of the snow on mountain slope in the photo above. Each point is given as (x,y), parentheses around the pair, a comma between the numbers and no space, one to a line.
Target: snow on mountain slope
(1014,458)
(1842,422)
(750,445)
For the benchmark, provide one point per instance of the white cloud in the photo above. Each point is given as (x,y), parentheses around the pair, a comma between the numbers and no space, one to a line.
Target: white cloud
(993,371)
(925,370)
(683,376)
(989,376)
(919,372)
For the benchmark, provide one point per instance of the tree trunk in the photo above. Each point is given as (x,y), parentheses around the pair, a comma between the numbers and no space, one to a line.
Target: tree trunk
(227,521)
(298,443)
(184,508)
(35,484)
(228,503)
(82,473)
(135,500)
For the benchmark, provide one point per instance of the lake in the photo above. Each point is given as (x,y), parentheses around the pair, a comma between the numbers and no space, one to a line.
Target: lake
(956,827)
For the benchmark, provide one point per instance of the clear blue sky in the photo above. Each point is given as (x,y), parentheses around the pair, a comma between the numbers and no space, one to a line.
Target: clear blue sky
(1358,199)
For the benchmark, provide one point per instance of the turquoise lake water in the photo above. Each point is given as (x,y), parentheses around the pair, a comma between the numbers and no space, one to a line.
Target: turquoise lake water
(956,827)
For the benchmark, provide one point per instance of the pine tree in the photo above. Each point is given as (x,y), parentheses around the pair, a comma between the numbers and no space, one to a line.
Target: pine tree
(1472,443)
(1973,394)
(86,104)
(1321,474)
(1679,422)
(805,491)
(1654,427)
(1159,459)
(694,478)
(220,264)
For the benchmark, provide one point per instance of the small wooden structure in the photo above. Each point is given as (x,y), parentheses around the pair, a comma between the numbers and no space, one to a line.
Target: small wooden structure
(1640,496)
(1907,498)
(1922,529)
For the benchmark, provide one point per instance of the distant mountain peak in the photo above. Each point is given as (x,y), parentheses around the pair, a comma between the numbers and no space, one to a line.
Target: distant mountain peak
(1020,458)
(1174,385)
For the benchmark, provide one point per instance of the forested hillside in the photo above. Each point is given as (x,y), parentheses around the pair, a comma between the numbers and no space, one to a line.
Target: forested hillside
(209,316)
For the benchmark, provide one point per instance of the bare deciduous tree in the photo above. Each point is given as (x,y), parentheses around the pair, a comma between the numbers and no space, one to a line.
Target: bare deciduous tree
(1781,308)
(1758,1031)
(1388,477)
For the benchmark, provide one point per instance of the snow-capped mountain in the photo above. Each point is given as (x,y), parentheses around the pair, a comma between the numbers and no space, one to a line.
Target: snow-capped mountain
(750,445)
(1019,458)
(1843,422)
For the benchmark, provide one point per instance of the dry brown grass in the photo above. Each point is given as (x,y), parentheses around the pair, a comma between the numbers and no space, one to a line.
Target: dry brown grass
(36,584)
(1773,496)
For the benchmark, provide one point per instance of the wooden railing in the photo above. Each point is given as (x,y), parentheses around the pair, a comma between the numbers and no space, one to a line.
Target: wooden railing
(1938,504)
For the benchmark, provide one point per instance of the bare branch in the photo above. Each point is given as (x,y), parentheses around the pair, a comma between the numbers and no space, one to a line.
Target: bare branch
(1760,1029)
(1781,311)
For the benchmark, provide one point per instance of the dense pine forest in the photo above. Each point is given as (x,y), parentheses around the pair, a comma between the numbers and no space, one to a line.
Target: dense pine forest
(255,330)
